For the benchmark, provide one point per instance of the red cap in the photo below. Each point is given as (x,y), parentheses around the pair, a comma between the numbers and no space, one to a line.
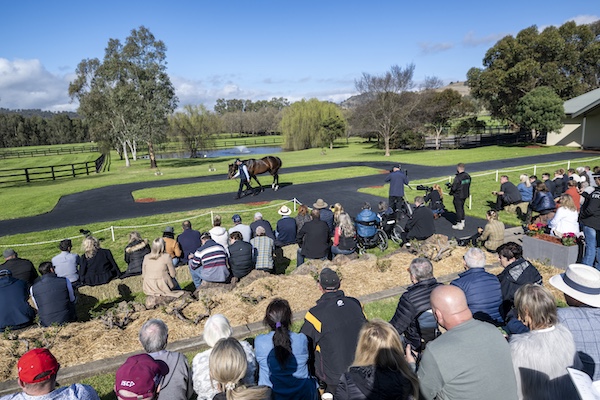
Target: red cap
(140,375)
(37,365)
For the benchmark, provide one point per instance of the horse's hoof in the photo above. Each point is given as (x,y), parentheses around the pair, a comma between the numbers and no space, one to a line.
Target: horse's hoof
(276,188)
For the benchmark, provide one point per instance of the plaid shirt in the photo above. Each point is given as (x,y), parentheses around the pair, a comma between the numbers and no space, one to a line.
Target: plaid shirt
(584,324)
(493,235)
(264,247)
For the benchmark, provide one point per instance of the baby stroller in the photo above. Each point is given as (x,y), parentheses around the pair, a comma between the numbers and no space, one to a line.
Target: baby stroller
(379,239)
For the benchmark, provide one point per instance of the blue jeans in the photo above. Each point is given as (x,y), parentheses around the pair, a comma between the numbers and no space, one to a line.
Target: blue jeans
(592,251)
(196,276)
(335,250)
(300,258)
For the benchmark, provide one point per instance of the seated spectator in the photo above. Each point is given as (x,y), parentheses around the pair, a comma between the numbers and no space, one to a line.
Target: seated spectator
(325,214)
(435,198)
(219,234)
(172,247)
(140,377)
(573,191)
(507,195)
(543,203)
(158,273)
(387,217)
(379,370)
(259,221)
(421,225)
(53,297)
(189,240)
(492,234)
(285,232)
(216,328)
(525,188)
(344,237)
(566,219)
(241,256)
(241,228)
(98,265)
(481,288)
(337,209)
(66,264)
(283,356)
(367,222)
(302,217)
(228,366)
(550,185)
(15,313)
(313,240)
(560,183)
(414,307)
(209,262)
(19,267)
(177,383)
(580,285)
(263,248)
(134,254)
(542,355)
(37,378)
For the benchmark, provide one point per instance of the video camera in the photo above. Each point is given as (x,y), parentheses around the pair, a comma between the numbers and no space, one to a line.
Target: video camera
(427,189)
(449,185)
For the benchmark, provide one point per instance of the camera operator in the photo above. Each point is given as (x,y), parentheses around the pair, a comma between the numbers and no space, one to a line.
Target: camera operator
(460,190)
(397,179)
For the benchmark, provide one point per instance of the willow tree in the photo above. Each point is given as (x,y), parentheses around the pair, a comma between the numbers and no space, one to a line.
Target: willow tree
(195,126)
(303,122)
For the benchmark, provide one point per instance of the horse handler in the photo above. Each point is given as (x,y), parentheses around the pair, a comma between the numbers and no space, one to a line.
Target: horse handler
(244,176)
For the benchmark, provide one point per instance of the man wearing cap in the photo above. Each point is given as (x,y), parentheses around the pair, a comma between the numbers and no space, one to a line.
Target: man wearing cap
(172,247)
(15,312)
(66,264)
(313,240)
(241,228)
(259,221)
(580,285)
(244,175)
(209,262)
(397,179)
(21,269)
(37,377)
(140,378)
(285,232)
(332,328)
(189,240)
(325,214)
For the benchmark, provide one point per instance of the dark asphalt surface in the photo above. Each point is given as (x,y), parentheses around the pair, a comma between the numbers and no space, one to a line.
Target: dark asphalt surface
(116,202)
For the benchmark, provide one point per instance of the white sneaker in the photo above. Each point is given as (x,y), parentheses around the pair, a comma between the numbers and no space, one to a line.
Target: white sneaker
(459,226)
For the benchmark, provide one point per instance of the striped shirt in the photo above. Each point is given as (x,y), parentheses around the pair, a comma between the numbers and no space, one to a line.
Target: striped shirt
(211,257)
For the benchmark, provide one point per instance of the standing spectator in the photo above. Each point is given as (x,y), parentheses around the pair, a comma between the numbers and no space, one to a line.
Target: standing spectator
(332,328)
(244,175)
(241,228)
(589,217)
(19,267)
(525,188)
(15,313)
(283,356)
(580,285)
(421,225)
(140,377)
(459,363)
(482,289)
(219,234)
(325,214)
(313,240)
(177,383)
(344,236)
(413,319)
(259,221)
(241,256)
(264,248)
(189,240)
(285,233)
(37,377)
(507,195)
(367,221)
(397,179)
(492,234)
(134,254)
(302,217)
(566,218)
(158,273)
(209,262)
(172,247)
(460,190)
(98,265)
(66,264)
(53,297)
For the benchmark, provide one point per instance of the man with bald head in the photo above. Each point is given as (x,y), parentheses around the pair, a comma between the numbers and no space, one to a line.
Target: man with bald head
(471,360)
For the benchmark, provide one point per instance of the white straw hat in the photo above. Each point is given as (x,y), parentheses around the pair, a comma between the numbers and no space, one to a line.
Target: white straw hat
(580,282)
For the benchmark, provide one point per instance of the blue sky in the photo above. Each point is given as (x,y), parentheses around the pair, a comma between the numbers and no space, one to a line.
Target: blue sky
(261,49)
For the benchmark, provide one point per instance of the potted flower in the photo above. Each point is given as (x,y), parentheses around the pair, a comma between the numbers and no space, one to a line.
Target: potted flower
(556,251)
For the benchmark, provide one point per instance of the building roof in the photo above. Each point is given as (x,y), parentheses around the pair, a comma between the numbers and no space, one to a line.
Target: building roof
(583,104)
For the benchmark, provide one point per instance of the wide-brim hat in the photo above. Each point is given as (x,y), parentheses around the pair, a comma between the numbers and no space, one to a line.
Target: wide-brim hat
(320,204)
(284,210)
(580,282)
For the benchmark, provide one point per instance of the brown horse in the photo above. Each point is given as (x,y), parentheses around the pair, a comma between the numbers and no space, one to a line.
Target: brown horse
(270,164)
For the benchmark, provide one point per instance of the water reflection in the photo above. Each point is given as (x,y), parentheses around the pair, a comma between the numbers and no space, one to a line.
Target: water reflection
(237,151)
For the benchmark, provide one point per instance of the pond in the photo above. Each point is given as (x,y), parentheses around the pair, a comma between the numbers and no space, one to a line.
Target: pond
(237,151)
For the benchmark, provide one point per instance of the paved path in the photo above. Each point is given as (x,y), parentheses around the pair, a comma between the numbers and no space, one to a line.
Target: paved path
(116,202)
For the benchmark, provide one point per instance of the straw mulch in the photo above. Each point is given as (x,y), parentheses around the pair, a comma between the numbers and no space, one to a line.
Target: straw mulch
(79,343)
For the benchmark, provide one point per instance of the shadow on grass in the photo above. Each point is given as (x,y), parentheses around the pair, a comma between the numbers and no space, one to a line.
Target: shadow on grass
(89,307)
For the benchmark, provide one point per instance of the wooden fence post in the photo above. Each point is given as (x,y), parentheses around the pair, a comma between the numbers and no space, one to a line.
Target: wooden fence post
(53,176)
(73,169)
(27,175)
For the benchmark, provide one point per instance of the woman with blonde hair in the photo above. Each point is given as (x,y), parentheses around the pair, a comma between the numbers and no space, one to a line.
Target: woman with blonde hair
(344,236)
(98,265)
(227,366)
(337,209)
(436,200)
(566,219)
(379,370)
(135,251)
(525,188)
(159,275)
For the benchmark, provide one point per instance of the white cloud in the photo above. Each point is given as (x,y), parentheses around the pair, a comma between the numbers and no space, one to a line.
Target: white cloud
(429,48)
(584,19)
(471,40)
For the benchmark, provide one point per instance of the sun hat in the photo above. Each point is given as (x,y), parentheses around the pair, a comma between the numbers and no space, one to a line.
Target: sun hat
(320,204)
(169,229)
(580,282)
(284,210)
(139,375)
(37,365)
(329,279)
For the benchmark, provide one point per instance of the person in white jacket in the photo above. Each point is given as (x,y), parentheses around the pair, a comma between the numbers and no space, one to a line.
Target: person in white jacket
(566,218)
(219,234)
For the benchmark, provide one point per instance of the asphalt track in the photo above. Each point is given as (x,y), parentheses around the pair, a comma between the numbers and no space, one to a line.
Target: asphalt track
(116,202)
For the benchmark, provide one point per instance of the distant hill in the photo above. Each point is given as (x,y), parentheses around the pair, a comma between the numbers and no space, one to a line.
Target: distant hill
(39,113)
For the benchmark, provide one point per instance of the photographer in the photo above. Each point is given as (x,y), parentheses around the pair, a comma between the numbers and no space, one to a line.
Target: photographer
(460,189)
(435,198)
(397,179)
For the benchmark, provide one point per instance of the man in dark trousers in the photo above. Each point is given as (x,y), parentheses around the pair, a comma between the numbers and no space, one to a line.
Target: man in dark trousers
(332,328)
(19,267)
(507,195)
(53,296)
(460,190)
(313,239)
(397,179)
(244,176)
(421,225)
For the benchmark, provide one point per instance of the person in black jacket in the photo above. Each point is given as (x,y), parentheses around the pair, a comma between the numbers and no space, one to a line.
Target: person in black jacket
(19,267)
(241,256)
(589,217)
(508,194)
(98,265)
(421,225)
(313,239)
(461,190)
(53,297)
(134,254)
(15,313)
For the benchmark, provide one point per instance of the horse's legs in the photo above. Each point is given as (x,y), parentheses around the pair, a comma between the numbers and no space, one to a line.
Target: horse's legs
(275,185)
(259,185)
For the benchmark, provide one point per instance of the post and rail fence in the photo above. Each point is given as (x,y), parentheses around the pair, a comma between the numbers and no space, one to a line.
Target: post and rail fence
(51,172)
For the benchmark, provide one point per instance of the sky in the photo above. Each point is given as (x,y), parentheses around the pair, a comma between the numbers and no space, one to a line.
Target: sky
(258,49)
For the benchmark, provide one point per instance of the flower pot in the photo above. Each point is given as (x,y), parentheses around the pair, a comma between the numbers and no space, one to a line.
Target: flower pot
(555,254)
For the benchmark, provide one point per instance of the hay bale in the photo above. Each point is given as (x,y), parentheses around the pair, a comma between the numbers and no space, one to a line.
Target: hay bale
(435,248)
(308,268)
(341,259)
(251,277)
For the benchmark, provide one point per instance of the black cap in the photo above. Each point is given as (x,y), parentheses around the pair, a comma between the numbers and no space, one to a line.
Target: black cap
(329,279)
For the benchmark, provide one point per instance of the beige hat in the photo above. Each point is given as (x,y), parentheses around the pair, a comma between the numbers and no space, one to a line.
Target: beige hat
(580,282)
(320,204)
(284,210)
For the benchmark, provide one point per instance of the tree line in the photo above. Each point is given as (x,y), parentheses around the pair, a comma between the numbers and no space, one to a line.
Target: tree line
(32,128)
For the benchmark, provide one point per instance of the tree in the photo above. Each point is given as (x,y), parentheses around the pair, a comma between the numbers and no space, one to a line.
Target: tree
(128,96)
(540,111)
(331,129)
(385,110)
(439,108)
(565,59)
(195,127)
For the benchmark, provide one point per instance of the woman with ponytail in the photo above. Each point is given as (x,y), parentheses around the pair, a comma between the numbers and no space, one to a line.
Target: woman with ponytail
(282,356)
